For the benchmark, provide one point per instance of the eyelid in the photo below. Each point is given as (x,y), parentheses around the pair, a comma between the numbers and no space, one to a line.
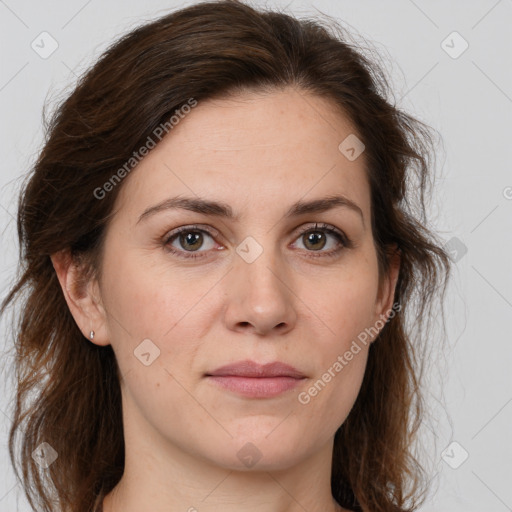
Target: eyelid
(329,228)
(192,227)
(214,232)
(344,241)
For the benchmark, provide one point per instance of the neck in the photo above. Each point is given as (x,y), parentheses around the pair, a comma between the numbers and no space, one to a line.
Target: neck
(166,475)
(162,477)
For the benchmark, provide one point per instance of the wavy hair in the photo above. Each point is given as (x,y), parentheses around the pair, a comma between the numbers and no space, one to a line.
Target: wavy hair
(207,50)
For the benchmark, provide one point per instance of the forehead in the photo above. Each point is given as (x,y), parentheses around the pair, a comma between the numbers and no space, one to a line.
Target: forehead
(252,149)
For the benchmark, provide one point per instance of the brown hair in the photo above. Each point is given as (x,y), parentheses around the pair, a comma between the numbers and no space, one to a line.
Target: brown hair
(68,392)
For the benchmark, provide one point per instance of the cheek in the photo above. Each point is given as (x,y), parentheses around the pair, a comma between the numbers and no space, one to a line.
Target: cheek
(158,303)
(332,392)
(149,318)
(346,310)
(141,298)
(345,307)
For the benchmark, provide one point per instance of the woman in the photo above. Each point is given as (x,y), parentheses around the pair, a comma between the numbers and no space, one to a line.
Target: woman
(220,247)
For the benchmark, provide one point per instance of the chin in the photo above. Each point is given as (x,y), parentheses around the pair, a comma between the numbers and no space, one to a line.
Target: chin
(260,453)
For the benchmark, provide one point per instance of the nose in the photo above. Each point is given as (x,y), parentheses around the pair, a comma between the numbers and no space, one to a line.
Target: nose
(260,297)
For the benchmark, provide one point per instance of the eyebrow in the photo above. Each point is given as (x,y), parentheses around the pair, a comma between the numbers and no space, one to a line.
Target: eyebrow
(223,210)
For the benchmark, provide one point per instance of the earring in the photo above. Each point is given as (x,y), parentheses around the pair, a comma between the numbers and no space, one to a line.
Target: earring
(91,335)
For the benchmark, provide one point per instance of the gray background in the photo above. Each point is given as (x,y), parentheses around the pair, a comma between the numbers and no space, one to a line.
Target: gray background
(466,96)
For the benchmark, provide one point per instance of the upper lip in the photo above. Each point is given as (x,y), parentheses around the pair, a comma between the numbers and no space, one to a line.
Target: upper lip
(249,368)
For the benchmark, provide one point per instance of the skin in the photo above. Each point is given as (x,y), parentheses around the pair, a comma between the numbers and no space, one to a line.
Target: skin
(259,153)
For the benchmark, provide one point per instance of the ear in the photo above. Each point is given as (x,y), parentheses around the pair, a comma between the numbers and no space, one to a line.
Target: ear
(82,295)
(387,286)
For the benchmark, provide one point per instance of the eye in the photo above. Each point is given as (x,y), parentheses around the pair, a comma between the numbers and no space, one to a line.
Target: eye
(315,239)
(186,241)
(189,239)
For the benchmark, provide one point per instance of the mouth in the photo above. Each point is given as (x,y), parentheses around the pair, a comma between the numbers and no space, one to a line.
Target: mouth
(253,380)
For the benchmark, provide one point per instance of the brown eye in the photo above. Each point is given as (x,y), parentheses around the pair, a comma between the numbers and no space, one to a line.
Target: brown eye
(191,240)
(315,240)
(187,241)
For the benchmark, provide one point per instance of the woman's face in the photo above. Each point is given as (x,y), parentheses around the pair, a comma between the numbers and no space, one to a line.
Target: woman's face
(248,286)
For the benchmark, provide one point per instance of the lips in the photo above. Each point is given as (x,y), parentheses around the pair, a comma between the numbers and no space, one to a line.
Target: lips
(253,380)
(252,369)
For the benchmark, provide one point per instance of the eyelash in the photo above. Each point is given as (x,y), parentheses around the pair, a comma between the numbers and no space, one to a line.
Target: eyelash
(345,242)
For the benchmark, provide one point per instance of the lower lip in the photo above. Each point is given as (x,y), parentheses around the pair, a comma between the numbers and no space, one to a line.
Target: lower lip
(256,387)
